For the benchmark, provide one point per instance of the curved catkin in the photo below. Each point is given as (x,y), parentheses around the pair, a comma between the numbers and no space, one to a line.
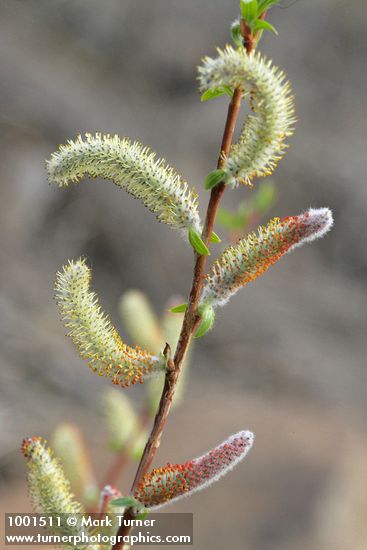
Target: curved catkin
(49,489)
(48,486)
(175,481)
(262,140)
(251,257)
(93,334)
(132,167)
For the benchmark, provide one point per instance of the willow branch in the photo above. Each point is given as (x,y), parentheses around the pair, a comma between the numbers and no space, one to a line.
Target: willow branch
(191,318)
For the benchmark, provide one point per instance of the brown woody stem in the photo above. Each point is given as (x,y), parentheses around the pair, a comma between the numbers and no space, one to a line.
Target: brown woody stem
(191,319)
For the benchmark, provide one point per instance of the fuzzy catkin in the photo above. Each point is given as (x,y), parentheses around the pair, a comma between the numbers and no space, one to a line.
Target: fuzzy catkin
(68,445)
(132,167)
(175,481)
(251,257)
(262,140)
(50,490)
(120,418)
(93,334)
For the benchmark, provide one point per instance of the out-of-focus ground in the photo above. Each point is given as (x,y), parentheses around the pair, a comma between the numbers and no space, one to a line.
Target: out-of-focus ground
(287,358)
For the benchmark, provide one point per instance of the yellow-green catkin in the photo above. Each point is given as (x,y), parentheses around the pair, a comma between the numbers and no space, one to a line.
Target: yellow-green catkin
(140,321)
(262,140)
(49,489)
(132,167)
(120,418)
(68,445)
(93,334)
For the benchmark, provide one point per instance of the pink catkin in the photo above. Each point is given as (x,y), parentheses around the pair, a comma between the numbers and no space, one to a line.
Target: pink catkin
(175,481)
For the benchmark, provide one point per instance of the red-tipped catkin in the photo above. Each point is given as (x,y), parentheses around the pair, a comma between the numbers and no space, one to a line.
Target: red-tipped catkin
(175,481)
(251,257)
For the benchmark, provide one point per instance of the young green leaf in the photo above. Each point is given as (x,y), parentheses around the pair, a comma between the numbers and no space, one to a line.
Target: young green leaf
(214,178)
(125,502)
(212,94)
(228,90)
(197,243)
(214,238)
(236,33)
(178,309)
(249,10)
(142,515)
(261,25)
(207,320)
(216,92)
(265,5)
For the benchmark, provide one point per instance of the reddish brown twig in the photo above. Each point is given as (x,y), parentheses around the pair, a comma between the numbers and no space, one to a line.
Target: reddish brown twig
(191,318)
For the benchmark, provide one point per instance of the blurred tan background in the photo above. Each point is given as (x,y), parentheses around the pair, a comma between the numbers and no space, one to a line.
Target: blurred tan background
(287,357)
